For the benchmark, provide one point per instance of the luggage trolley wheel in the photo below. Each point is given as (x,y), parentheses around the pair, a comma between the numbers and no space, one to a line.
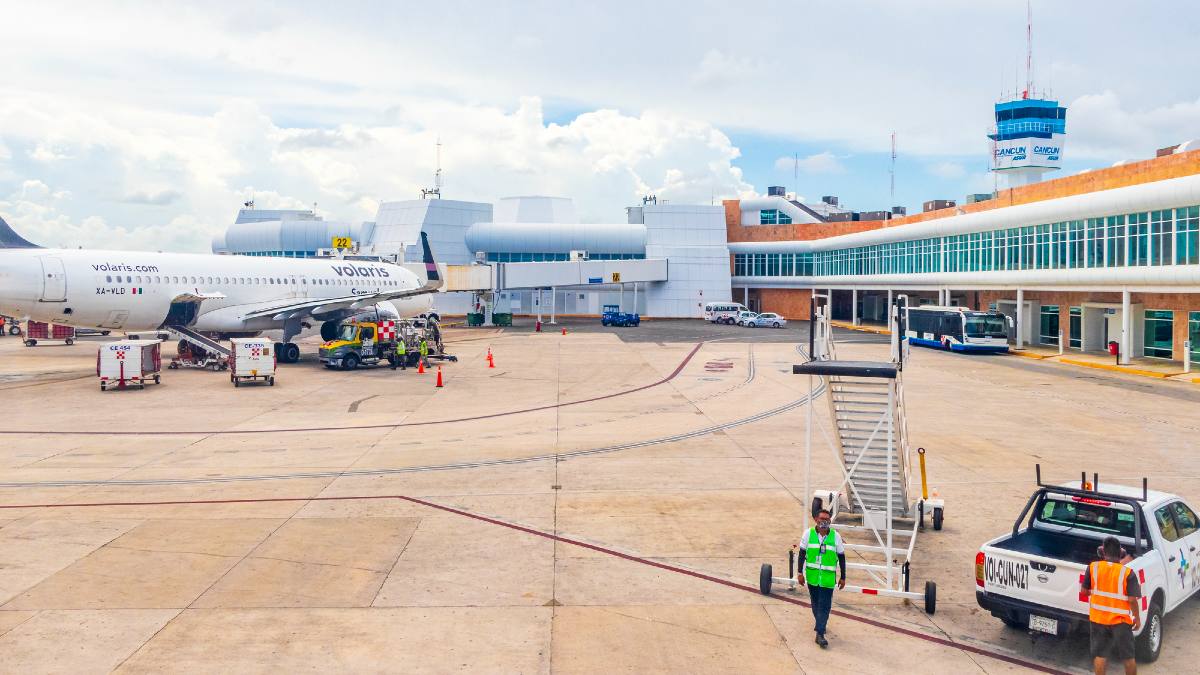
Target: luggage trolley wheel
(157,379)
(930,597)
(30,342)
(938,517)
(69,341)
(270,381)
(764,579)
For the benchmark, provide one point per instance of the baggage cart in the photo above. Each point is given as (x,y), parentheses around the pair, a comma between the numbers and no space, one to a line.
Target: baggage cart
(128,363)
(36,330)
(252,360)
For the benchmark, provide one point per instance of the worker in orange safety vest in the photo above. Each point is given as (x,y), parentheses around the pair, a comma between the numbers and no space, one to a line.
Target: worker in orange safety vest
(1113,591)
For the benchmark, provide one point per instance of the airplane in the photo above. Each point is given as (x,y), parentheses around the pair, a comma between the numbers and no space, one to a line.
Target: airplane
(197,294)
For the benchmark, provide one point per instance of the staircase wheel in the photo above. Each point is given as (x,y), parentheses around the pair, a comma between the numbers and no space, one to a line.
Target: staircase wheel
(937,520)
(764,579)
(930,597)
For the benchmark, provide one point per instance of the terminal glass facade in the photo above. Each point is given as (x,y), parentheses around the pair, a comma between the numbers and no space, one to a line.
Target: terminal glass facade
(1076,340)
(1166,237)
(505,257)
(1049,325)
(773,217)
(1194,335)
(1160,325)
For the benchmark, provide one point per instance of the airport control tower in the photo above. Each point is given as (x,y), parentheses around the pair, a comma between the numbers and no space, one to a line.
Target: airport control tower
(1027,140)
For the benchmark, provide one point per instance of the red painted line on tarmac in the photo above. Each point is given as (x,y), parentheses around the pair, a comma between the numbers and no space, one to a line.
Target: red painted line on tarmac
(1032,665)
(229,432)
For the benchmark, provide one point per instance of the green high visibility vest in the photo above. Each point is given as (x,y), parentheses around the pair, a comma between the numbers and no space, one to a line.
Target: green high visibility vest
(400,348)
(820,559)
(424,348)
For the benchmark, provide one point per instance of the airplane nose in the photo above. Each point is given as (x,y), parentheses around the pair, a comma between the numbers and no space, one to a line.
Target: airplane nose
(20,277)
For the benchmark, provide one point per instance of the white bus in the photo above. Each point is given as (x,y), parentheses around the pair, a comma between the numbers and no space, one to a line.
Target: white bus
(723,312)
(957,329)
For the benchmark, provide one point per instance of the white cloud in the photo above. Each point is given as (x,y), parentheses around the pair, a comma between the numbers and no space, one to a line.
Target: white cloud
(1099,126)
(718,69)
(947,170)
(195,171)
(820,163)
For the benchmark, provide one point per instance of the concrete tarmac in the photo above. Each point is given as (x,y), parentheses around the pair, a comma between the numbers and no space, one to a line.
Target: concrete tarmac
(600,501)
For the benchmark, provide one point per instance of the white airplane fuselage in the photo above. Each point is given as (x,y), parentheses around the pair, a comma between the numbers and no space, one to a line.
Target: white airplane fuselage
(134,291)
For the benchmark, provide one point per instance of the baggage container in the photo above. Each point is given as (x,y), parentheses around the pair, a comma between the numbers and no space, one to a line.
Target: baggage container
(36,330)
(251,360)
(128,363)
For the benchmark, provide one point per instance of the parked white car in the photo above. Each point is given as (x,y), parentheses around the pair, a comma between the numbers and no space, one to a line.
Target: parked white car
(746,318)
(769,320)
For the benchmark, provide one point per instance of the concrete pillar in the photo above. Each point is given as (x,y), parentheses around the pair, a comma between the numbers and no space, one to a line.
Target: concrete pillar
(854,307)
(553,304)
(635,297)
(887,314)
(1126,329)
(538,301)
(621,302)
(746,297)
(1020,320)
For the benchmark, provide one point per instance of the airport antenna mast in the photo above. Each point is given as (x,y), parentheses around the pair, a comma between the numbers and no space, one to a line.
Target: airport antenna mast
(892,171)
(1028,49)
(436,190)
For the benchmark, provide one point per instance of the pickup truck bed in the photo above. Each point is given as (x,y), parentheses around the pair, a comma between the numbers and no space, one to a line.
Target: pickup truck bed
(1072,548)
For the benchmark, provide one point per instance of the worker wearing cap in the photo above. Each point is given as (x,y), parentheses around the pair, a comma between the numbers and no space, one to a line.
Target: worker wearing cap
(401,356)
(824,554)
(423,350)
(1112,590)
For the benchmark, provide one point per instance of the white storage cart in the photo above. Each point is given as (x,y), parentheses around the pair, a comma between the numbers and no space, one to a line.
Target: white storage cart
(129,363)
(252,359)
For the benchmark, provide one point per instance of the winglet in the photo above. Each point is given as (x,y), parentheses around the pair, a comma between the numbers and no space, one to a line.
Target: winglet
(10,239)
(431,270)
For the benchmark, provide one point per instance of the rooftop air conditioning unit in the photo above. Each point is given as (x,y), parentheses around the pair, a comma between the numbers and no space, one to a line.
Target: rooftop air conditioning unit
(481,257)
(578,255)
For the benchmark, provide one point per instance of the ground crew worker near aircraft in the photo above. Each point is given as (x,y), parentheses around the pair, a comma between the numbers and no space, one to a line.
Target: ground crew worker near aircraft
(401,356)
(1113,613)
(824,553)
(423,350)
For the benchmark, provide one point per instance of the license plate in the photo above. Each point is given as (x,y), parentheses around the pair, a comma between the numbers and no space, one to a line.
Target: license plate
(1041,623)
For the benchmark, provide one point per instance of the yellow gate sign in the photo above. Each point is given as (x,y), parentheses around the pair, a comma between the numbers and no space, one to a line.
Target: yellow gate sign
(343,242)
(616,276)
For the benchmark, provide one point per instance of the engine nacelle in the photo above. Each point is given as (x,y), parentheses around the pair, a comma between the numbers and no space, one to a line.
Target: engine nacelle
(329,330)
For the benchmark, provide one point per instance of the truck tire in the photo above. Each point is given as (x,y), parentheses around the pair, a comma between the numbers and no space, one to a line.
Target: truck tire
(764,579)
(1149,644)
(930,597)
(350,362)
(938,517)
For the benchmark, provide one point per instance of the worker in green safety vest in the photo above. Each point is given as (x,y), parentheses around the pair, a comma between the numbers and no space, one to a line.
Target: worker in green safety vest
(423,350)
(824,554)
(401,356)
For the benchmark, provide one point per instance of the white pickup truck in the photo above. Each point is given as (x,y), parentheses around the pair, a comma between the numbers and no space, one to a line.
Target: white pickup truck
(1030,578)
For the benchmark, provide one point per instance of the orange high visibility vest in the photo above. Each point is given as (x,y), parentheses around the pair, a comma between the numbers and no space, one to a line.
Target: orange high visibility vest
(1108,602)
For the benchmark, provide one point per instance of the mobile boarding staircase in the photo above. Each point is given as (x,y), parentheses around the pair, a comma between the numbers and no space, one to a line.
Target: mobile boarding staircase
(870,442)
(201,352)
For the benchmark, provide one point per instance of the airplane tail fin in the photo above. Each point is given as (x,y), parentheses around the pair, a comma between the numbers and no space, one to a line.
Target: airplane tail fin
(431,270)
(10,239)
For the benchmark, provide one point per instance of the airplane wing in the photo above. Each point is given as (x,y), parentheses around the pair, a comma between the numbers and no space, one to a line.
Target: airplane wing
(285,310)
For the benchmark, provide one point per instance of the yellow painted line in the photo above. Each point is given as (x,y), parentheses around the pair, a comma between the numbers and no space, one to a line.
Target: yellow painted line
(865,329)
(1030,355)
(1119,369)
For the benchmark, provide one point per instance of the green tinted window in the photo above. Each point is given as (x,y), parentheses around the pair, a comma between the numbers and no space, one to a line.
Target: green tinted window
(1159,333)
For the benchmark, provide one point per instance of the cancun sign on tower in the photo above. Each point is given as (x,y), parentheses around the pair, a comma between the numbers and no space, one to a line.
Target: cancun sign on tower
(1019,153)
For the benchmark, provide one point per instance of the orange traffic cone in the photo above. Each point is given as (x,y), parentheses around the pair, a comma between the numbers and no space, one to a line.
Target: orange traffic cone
(420,366)
(564,330)
(439,382)
(491,361)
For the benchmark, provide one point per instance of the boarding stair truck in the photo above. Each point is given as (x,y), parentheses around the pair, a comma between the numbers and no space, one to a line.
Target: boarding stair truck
(252,360)
(431,330)
(36,330)
(1030,578)
(868,437)
(129,363)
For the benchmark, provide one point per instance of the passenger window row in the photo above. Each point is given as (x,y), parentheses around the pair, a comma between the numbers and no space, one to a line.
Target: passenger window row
(235,281)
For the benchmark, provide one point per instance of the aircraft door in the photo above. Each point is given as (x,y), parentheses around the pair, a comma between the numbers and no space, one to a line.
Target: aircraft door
(54,279)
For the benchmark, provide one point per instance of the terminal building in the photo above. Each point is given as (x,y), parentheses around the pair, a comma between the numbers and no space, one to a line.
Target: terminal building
(1103,256)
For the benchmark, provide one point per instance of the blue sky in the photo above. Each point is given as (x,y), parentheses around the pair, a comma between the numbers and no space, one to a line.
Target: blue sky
(145,125)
